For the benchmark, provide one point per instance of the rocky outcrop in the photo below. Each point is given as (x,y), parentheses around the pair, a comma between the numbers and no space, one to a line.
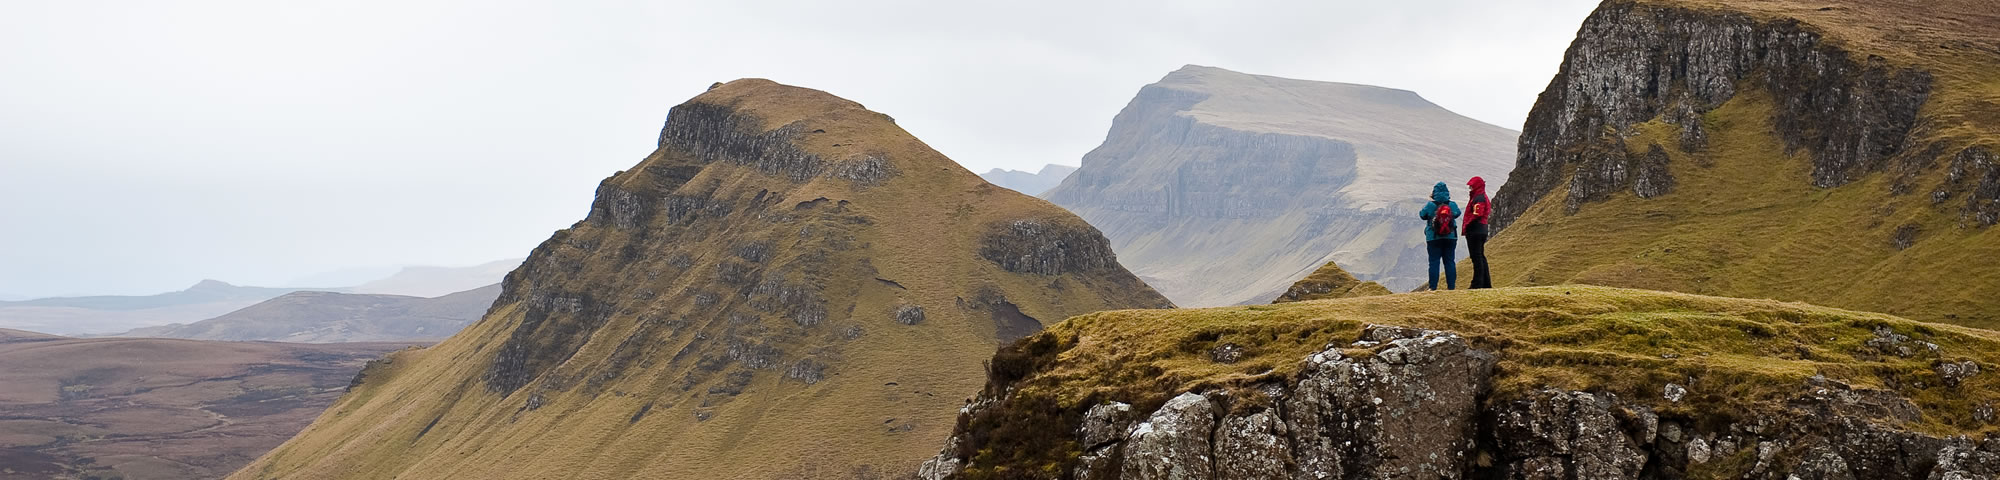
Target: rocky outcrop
(786,269)
(1412,403)
(1635,62)
(1330,281)
(1224,188)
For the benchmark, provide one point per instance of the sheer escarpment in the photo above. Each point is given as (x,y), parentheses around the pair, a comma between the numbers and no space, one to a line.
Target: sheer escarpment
(789,287)
(1841,155)
(1530,383)
(1224,188)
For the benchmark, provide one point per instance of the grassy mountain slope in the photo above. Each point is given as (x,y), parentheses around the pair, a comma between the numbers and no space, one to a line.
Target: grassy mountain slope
(157,408)
(791,285)
(327,317)
(1737,359)
(1764,207)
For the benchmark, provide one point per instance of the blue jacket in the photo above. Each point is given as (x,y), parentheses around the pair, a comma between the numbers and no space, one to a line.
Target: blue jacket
(1440,195)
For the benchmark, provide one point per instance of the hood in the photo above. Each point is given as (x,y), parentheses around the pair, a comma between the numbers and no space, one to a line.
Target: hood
(1441,193)
(1477,186)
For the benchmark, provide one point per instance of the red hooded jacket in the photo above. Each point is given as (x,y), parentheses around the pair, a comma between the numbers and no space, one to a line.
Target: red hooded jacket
(1478,209)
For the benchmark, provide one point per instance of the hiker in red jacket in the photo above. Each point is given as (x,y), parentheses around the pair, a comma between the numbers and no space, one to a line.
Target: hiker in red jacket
(1477,210)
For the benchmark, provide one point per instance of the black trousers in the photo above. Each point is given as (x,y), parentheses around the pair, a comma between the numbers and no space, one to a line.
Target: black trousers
(1481,277)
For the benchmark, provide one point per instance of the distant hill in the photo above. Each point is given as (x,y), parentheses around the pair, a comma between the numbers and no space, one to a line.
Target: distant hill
(207,291)
(1031,183)
(115,313)
(9,336)
(159,408)
(1223,188)
(327,317)
(790,286)
(429,281)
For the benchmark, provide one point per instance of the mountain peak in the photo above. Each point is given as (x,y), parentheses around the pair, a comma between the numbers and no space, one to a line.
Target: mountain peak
(211,284)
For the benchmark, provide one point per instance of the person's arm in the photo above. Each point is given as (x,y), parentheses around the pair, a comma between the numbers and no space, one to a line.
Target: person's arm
(1478,213)
(1425,213)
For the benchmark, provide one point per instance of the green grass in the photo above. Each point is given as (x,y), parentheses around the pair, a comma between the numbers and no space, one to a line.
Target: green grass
(1737,357)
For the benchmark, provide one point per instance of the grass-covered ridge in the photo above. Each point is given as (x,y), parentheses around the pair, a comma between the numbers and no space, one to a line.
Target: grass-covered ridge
(1736,357)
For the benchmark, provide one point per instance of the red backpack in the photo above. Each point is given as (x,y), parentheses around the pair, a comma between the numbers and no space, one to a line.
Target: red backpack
(1441,222)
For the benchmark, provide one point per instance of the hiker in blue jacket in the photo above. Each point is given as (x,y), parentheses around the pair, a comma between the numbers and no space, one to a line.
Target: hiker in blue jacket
(1441,232)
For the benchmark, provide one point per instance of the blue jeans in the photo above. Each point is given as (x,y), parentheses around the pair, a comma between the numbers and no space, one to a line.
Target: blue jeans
(1445,252)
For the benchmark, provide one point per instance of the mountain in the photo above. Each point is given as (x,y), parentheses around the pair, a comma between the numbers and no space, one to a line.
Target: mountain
(790,286)
(1544,382)
(156,408)
(1031,183)
(206,291)
(327,317)
(426,281)
(1330,281)
(114,313)
(1223,188)
(9,336)
(1839,153)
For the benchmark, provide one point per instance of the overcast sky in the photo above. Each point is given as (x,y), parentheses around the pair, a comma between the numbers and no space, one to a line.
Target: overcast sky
(145,145)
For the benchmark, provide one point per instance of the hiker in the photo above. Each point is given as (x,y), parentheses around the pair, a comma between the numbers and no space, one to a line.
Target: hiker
(1477,210)
(1441,233)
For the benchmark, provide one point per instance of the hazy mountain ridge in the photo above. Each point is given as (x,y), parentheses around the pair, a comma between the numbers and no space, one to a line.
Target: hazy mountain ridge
(1224,188)
(790,284)
(328,317)
(206,291)
(1030,183)
(432,281)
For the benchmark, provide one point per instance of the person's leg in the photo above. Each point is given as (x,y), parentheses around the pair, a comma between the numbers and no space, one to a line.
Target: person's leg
(1476,246)
(1435,256)
(1451,266)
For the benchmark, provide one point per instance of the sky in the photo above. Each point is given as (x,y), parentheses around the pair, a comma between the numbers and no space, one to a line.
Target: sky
(147,145)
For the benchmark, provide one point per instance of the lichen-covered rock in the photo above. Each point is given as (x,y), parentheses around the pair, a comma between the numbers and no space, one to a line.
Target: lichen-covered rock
(1255,446)
(1553,434)
(1406,410)
(1172,444)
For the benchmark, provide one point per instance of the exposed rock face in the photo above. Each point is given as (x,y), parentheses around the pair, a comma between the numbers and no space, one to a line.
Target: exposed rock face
(1633,63)
(1330,281)
(1223,188)
(1031,183)
(1418,404)
(1840,155)
(789,284)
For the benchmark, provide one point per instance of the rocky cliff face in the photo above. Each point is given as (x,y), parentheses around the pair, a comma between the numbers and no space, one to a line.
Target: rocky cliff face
(1633,63)
(789,286)
(1769,149)
(1223,188)
(1403,402)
